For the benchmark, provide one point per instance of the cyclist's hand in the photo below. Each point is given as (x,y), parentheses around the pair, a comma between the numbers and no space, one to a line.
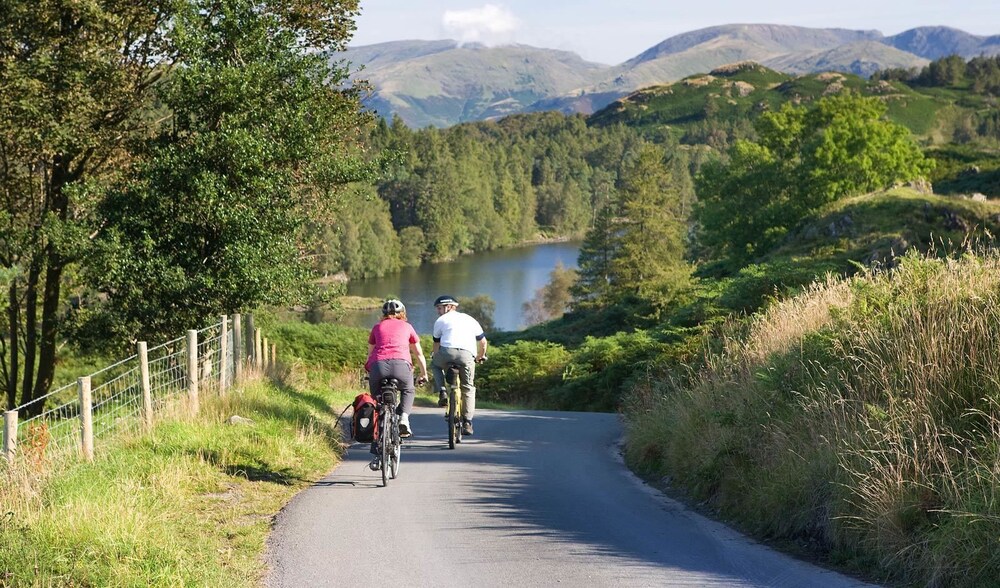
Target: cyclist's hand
(481,359)
(421,380)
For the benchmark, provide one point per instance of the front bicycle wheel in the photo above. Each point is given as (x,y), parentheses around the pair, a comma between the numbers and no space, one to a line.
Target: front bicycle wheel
(452,419)
(384,452)
(396,449)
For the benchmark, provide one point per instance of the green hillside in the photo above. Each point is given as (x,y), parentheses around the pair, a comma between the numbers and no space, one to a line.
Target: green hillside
(742,91)
(858,232)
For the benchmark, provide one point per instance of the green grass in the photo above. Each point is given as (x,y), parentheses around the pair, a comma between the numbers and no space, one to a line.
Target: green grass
(931,114)
(857,421)
(966,170)
(188,504)
(850,234)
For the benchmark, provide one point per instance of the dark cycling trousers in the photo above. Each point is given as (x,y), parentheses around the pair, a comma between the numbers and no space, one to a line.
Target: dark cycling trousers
(394,368)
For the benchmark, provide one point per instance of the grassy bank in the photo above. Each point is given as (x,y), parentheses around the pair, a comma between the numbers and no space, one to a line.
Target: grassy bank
(860,421)
(188,504)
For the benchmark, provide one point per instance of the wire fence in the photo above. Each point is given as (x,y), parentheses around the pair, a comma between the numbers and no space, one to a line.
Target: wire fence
(126,396)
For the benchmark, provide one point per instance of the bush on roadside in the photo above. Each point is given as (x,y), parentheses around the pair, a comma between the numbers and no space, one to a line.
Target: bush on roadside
(328,345)
(522,372)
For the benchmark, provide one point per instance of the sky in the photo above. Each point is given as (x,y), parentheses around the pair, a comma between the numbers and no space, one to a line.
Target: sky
(610,32)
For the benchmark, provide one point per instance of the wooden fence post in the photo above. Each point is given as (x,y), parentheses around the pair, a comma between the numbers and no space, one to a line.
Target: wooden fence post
(265,348)
(223,353)
(9,434)
(192,352)
(147,394)
(251,348)
(257,351)
(86,418)
(274,354)
(237,348)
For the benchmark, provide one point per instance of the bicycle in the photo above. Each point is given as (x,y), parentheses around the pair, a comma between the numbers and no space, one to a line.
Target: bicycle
(388,446)
(453,412)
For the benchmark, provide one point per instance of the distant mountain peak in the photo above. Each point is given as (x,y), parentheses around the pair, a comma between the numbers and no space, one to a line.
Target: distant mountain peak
(936,41)
(444,82)
(780,38)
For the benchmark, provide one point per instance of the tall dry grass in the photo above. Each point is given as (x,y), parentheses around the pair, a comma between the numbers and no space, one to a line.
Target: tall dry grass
(861,419)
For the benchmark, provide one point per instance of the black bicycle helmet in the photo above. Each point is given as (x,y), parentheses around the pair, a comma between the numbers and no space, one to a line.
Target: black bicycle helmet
(392,306)
(445,300)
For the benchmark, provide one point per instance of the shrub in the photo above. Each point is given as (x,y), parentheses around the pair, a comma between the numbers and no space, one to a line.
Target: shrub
(328,345)
(522,372)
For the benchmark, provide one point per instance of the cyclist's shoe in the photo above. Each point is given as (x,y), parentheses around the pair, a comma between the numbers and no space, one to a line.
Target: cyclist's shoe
(404,426)
(467,428)
(374,449)
(375,464)
(442,397)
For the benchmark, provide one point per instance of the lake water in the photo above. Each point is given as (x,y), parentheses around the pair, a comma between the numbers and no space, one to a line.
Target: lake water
(509,276)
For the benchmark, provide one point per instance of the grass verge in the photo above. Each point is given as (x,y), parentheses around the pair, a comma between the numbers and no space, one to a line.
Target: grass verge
(858,420)
(188,504)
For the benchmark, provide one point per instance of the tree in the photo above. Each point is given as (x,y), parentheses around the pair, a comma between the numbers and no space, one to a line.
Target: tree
(648,260)
(848,147)
(553,299)
(79,119)
(74,79)
(635,250)
(216,220)
(806,157)
(480,307)
(943,72)
(593,286)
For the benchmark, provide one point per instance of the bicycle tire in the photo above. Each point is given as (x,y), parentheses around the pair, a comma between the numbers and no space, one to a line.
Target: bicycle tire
(452,419)
(384,436)
(396,451)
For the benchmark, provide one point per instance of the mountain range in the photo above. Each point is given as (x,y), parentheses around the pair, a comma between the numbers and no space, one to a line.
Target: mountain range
(441,83)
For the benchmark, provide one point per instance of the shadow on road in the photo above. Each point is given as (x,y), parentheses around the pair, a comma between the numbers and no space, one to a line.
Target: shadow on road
(554,478)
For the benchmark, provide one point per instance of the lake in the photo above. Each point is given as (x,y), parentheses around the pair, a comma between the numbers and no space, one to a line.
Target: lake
(509,276)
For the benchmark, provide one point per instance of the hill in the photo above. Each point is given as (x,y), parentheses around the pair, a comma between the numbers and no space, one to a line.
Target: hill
(936,42)
(737,93)
(441,83)
(862,58)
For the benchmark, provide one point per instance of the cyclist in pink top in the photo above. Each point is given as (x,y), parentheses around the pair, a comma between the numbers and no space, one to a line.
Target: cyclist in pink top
(390,346)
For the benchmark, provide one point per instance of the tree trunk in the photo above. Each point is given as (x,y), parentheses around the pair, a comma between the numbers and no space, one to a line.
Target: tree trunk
(12,374)
(50,322)
(54,264)
(30,332)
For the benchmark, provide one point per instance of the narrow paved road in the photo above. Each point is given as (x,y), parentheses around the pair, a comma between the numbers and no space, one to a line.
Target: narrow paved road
(533,499)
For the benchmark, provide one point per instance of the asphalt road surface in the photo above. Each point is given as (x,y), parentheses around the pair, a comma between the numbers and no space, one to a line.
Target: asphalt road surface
(533,499)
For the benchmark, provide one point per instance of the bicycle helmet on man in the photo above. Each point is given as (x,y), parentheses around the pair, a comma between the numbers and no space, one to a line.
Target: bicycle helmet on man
(446,301)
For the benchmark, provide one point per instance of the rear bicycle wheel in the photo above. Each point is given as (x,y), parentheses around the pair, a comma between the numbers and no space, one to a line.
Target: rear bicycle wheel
(458,415)
(452,419)
(396,450)
(384,452)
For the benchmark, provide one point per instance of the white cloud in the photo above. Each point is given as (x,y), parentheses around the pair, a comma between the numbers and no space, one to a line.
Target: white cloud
(490,25)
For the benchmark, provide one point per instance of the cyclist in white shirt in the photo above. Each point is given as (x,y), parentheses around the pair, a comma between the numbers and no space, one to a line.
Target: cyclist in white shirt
(458,339)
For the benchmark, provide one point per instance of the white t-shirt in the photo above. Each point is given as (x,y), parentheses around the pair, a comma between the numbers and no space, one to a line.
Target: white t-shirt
(458,330)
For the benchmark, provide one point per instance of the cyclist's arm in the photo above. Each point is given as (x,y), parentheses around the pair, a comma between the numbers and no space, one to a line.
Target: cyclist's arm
(482,343)
(416,350)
